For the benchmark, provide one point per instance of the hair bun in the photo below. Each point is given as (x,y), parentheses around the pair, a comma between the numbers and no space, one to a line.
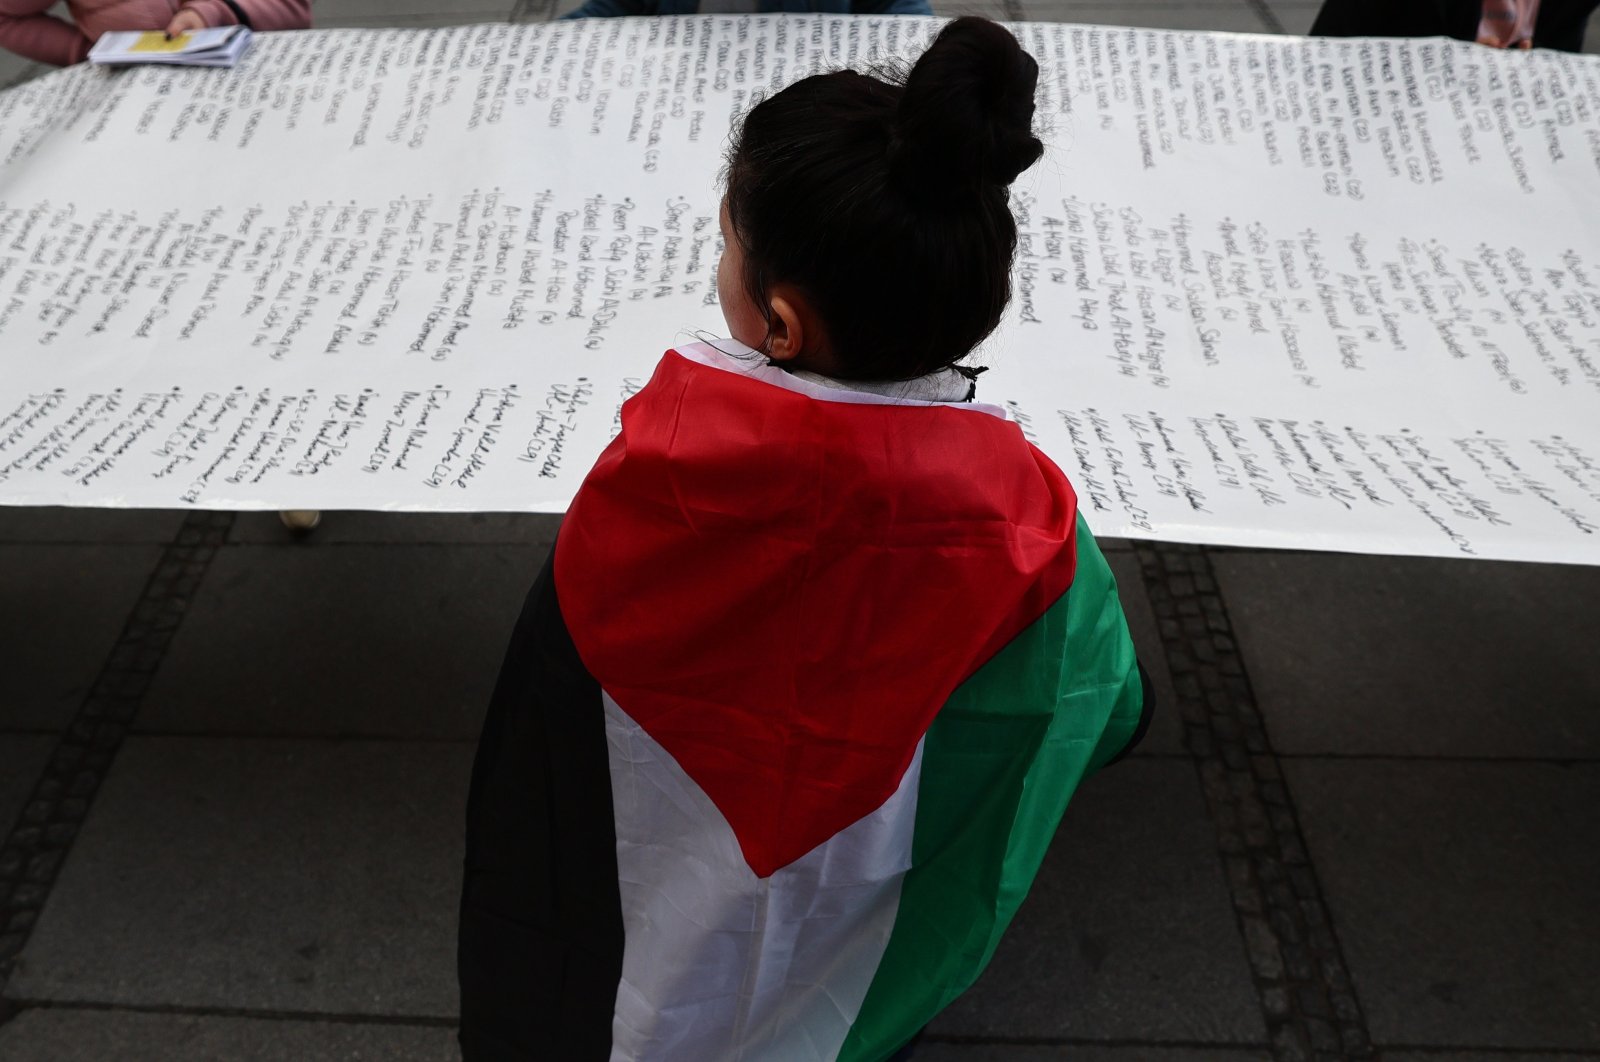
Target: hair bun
(966,114)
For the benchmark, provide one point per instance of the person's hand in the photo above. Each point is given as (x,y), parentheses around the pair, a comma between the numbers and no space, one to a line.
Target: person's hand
(184,21)
(1507,24)
(1523,45)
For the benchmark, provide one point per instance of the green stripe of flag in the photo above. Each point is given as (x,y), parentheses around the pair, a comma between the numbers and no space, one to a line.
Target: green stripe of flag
(999,764)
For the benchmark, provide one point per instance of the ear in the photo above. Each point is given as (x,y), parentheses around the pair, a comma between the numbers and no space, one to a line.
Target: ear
(794,331)
(786,327)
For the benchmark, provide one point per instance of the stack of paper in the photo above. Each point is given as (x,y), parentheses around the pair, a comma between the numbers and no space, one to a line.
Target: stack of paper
(221,46)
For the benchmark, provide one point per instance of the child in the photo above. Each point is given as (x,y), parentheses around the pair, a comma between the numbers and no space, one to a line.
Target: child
(27,29)
(823,648)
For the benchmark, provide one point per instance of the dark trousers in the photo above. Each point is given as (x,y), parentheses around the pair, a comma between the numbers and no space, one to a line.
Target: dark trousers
(1560,26)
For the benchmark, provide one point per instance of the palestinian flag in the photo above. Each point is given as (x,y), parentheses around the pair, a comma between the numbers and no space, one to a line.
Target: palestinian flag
(785,727)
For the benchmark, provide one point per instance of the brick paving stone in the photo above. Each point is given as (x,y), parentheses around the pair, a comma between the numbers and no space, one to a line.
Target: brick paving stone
(1466,896)
(1299,973)
(316,876)
(67,1035)
(1484,1056)
(1404,656)
(1128,932)
(1224,17)
(372,528)
(1165,736)
(56,525)
(22,759)
(1295,16)
(61,610)
(536,10)
(1002,10)
(350,640)
(1034,9)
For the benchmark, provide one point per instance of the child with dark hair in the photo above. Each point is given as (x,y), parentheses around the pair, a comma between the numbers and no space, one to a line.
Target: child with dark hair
(824,647)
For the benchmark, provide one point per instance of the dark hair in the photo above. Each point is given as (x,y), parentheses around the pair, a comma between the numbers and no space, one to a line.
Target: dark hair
(884,199)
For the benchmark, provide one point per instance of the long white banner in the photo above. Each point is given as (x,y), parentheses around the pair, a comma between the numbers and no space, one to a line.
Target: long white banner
(1270,291)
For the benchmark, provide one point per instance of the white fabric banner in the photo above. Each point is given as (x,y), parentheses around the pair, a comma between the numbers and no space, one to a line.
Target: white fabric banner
(1329,294)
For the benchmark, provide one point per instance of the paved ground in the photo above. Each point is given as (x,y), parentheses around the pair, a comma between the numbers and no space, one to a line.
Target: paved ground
(232,768)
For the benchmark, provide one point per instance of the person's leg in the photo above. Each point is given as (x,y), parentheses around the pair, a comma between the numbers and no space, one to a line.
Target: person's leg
(1562,23)
(1382,18)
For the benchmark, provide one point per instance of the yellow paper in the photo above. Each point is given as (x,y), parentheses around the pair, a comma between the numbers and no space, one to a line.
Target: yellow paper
(156,41)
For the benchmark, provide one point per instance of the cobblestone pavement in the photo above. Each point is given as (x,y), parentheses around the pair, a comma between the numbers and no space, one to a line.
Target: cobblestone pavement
(232,764)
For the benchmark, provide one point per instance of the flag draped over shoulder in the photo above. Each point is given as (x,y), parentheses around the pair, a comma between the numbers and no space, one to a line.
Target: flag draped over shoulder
(785,728)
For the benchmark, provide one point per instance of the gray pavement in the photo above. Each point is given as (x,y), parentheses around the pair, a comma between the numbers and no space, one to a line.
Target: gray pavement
(232,765)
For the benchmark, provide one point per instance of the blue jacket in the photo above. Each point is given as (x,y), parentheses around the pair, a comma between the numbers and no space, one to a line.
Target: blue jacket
(609,8)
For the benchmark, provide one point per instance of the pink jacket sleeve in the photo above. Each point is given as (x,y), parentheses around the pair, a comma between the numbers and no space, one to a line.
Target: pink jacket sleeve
(261,14)
(32,34)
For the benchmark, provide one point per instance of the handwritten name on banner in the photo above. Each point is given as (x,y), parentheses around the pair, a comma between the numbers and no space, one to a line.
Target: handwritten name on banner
(1337,294)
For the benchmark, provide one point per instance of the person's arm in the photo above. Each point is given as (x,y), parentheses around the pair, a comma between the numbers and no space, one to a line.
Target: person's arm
(257,14)
(32,34)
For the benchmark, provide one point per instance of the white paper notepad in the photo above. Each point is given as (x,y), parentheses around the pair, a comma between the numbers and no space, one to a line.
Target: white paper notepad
(221,46)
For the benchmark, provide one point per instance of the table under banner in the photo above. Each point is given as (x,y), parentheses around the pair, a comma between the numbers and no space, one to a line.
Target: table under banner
(1327,294)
